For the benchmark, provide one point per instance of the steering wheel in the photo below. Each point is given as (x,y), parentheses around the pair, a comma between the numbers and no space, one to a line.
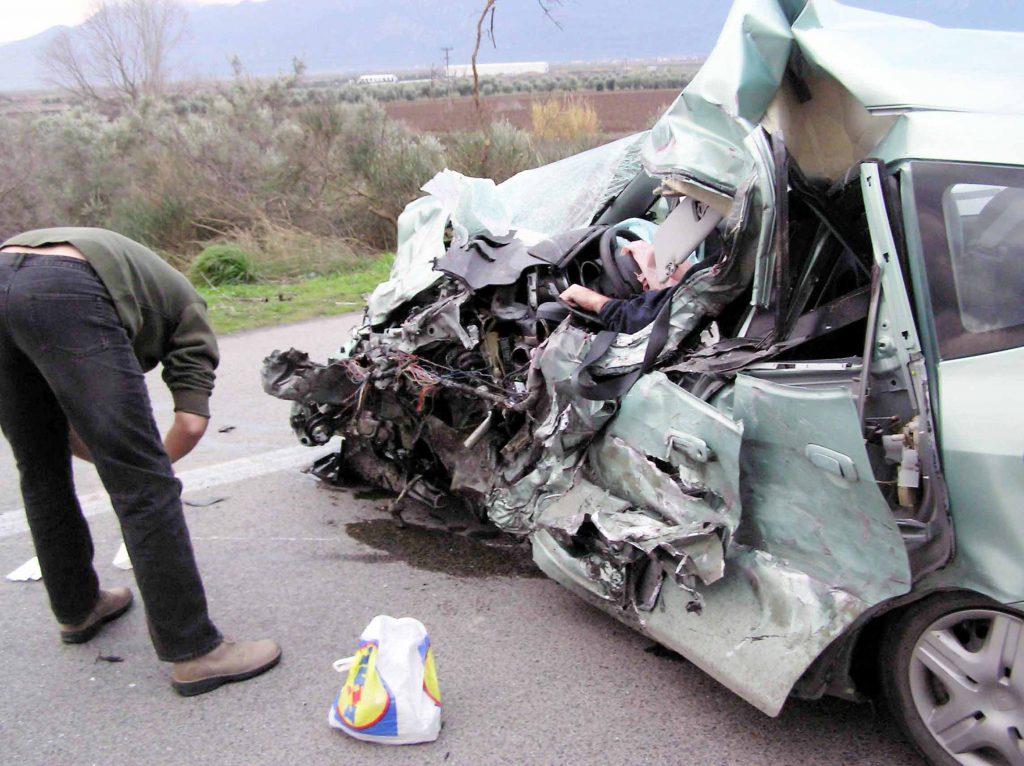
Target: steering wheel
(618,267)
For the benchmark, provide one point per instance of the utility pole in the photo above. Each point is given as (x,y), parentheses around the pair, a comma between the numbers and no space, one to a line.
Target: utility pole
(447,50)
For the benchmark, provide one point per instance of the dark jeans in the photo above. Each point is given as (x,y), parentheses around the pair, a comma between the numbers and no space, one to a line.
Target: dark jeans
(65,356)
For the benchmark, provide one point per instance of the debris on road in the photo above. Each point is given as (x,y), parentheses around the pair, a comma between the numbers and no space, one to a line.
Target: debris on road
(121,559)
(27,572)
(203,502)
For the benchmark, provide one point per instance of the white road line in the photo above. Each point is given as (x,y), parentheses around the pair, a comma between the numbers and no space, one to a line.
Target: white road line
(196,480)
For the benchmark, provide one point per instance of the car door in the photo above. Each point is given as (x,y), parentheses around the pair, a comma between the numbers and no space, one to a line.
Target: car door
(968,222)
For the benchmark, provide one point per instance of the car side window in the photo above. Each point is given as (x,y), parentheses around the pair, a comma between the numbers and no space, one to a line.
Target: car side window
(970,219)
(985,229)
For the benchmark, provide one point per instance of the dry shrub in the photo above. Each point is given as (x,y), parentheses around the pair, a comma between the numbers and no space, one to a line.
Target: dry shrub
(306,187)
(499,152)
(284,252)
(568,118)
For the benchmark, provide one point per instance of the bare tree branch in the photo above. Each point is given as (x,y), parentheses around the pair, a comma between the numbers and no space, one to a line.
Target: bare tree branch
(120,54)
(488,10)
(487,17)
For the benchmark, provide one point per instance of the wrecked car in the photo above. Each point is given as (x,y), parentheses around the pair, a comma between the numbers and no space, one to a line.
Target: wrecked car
(804,473)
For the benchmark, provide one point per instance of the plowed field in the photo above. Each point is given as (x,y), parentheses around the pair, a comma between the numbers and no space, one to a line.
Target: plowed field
(619,111)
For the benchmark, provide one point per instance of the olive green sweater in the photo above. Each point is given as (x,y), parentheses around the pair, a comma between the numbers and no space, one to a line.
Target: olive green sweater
(164,315)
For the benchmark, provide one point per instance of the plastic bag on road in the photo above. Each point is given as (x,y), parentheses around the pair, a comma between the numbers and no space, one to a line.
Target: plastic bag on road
(391,695)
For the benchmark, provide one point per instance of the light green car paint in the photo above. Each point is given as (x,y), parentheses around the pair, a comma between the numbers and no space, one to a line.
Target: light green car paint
(981,407)
(817,550)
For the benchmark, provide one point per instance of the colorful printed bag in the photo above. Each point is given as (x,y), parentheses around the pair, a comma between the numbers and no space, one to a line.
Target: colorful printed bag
(391,695)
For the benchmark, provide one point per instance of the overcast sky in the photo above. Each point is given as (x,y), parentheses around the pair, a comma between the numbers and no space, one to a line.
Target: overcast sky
(24,18)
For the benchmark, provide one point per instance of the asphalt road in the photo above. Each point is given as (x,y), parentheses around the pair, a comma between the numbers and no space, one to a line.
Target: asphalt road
(528,673)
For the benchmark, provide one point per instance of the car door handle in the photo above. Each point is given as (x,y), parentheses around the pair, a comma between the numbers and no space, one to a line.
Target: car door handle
(693,447)
(829,460)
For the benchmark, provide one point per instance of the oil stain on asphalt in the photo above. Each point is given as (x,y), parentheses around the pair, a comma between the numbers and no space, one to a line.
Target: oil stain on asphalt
(438,550)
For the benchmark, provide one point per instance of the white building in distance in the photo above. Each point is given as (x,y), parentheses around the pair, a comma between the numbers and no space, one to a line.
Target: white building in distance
(485,70)
(373,79)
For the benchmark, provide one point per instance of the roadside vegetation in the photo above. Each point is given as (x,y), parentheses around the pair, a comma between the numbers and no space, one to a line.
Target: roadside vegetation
(276,197)
(255,192)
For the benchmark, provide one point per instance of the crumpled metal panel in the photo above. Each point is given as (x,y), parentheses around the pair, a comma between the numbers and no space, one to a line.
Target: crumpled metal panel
(810,552)
(657,418)
(573,190)
(569,425)
(292,376)
(685,527)
(887,63)
(690,552)
(761,625)
(702,134)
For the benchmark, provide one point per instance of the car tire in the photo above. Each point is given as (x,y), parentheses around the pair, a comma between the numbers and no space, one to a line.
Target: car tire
(952,696)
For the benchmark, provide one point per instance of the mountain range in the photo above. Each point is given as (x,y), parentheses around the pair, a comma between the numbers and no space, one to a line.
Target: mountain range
(368,35)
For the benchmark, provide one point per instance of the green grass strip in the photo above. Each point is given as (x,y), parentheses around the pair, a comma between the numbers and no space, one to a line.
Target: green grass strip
(243,307)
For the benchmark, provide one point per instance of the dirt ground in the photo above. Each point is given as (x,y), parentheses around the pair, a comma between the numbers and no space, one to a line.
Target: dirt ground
(619,111)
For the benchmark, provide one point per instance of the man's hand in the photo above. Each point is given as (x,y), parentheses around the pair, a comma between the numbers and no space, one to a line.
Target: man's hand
(181,439)
(78,448)
(584,298)
(184,435)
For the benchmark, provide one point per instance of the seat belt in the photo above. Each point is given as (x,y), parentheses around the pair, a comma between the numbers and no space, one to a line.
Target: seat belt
(615,386)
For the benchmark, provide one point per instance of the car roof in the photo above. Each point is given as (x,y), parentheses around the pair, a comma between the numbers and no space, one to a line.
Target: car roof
(955,137)
(894,63)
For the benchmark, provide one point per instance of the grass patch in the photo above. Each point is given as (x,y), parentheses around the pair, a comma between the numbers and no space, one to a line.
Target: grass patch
(244,307)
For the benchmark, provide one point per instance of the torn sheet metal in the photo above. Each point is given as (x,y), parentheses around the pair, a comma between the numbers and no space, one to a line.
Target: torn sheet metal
(659,419)
(293,376)
(420,241)
(439,321)
(487,260)
(569,424)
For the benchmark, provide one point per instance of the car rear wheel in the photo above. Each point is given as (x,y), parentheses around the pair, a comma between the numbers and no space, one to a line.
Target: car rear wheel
(953,676)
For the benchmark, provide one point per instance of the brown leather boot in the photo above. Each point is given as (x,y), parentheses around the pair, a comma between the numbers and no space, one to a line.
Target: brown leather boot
(231,661)
(112,604)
